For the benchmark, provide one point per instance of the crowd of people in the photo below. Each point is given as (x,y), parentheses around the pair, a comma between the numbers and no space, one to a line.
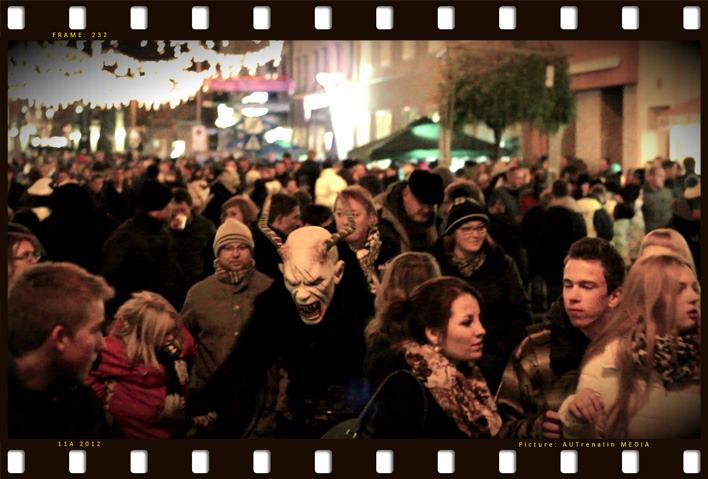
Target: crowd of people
(236,298)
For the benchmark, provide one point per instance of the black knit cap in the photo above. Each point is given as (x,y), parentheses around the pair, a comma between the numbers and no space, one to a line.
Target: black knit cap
(153,196)
(464,210)
(427,187)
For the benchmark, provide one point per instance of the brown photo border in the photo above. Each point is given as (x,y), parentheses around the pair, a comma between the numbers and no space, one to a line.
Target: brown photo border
(355,20)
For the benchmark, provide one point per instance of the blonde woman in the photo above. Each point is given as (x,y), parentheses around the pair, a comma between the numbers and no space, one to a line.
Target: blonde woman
(640,376)
(142,375)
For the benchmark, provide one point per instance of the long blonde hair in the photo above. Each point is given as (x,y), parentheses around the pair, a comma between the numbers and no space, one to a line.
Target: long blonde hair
(649,303)
(143,323)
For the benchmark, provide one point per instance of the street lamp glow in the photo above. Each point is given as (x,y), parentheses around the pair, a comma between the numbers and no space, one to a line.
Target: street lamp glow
(329,79)
(178,149)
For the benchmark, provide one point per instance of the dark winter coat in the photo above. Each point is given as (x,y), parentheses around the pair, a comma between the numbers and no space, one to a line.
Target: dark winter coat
(506,311)
(395,226)
(72,412)
(76,229)
(323,364)
(563,225)
(141,255)
(266,255)
(401,411)
(195,249)
(212,211)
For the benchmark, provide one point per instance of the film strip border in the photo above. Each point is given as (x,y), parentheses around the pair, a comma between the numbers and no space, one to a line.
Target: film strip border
(346,19)
(354,20)
(345,459)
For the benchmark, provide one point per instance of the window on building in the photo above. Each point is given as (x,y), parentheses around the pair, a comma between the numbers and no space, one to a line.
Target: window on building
(383,123)
(408,50)
(385,53)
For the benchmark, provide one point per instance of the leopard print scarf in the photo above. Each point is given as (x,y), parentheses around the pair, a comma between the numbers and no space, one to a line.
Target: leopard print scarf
(676,357)
(465,398)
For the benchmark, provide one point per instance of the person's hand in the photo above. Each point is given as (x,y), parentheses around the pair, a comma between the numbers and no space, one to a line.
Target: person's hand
(587,404)
(173,411)
(181,369)
(551,425)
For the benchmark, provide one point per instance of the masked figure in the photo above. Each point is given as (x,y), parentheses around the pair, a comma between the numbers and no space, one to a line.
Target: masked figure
(296,368)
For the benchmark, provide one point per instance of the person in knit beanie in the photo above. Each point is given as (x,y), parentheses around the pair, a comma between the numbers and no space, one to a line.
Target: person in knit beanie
(217,307)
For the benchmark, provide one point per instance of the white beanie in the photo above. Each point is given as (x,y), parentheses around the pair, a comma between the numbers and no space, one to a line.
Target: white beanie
(232,230)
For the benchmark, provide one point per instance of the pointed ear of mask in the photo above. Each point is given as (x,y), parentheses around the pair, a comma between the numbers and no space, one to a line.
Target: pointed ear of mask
(338,271)
(433,336)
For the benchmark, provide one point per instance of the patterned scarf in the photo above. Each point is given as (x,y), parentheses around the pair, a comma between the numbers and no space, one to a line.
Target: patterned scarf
(467,266)
(367,255)
(466,399)
(233,277)
(675,357)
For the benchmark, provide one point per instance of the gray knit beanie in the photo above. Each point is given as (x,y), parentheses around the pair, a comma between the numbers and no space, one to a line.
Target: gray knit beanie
(232,230)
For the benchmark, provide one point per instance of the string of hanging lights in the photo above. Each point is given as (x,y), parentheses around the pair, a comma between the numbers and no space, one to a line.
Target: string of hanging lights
(58,74)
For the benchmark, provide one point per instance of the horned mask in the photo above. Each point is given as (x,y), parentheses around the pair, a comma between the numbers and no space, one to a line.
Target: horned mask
(310,264)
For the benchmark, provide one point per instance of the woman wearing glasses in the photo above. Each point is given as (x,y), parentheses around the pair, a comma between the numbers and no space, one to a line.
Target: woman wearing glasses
(23,251)
(466,250)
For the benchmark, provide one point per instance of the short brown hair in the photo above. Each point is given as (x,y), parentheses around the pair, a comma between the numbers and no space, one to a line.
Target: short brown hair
(248,208)
(47,295)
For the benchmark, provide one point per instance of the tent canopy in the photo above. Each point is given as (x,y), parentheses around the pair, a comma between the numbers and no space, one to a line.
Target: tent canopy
(420,139)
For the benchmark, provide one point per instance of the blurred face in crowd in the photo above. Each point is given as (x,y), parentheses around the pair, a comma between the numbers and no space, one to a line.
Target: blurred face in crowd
(235,256)
(358,171)
(516,179)
(118,176)
(415,210)
(464,337)
(362,219)
(656,180)
(688,307)
(470,237)
(291,187)
(288,223)
(279,168)
(80,349)
(233,212)
(96,185)
(310,278)
(181,215)
(585,295)
(23,256)
(62,177)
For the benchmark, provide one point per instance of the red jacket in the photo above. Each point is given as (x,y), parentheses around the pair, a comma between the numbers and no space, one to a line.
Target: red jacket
(134,394)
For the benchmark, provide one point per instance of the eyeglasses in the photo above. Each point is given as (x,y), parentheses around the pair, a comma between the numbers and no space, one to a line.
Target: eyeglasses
(28,256)
(470,230)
